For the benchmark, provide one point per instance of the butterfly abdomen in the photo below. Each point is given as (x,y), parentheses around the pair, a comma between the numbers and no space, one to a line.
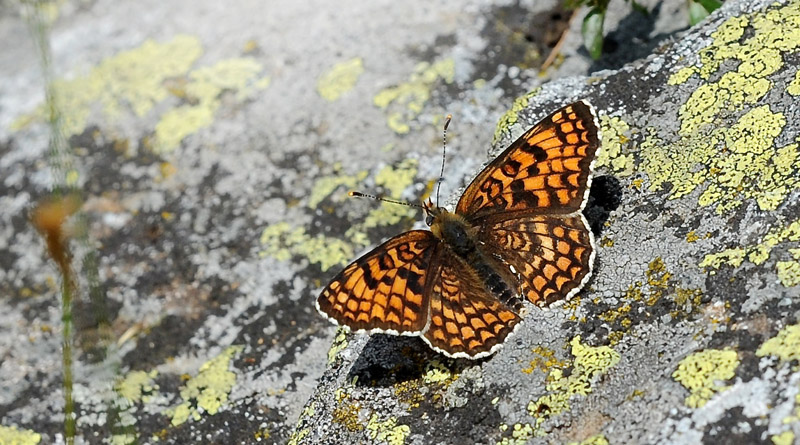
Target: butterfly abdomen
(461,239)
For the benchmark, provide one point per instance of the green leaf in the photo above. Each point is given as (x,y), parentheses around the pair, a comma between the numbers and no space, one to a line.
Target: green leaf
(592,30)
(710,5)
(696,13)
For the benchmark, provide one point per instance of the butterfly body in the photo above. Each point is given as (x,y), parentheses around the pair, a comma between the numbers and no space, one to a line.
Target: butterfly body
(516,233)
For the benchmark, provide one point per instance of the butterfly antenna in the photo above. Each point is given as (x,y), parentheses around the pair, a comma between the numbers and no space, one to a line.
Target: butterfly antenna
(380,198)
(444,151)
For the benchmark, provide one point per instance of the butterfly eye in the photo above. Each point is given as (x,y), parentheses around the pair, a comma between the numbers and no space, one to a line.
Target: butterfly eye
(429,220)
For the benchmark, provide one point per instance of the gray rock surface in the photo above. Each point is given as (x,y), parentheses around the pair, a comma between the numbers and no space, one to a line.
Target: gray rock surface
(214,144)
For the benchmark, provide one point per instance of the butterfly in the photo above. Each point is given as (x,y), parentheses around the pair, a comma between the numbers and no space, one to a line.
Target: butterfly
(517,233)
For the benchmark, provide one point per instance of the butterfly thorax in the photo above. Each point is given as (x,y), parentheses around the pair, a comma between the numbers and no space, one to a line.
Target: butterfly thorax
(458,235)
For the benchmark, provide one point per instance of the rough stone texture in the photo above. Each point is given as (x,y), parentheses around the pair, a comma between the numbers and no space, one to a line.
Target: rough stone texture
(213,145)
(688,332)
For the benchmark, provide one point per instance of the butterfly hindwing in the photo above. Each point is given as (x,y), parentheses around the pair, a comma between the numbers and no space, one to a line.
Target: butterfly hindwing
(386,289)
(552,256)
(547,169)
(465,320)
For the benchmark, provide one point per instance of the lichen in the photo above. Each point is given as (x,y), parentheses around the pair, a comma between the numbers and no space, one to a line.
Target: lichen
(737,162)
(701,371)
(510,117)
(405,102)
(207,392)
(325,185)
(520,434)
(12,436)
(590,363)
(387,431)
(758,253)
(340,79)
(597,439)
(281,241)
(785,345)
(339,343)
(137,386)
(616,135)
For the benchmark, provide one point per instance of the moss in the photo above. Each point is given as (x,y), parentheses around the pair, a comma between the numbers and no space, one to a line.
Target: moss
(785,345)
(12,436)
(340,79)
(700,372)
(387,431)
(208,391)
(405,102)
(749,167)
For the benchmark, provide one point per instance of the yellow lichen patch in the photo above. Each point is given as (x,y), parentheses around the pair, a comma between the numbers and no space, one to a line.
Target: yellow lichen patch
(510,117)
(520,434)
(408,99)
(701,371)
(394,180)
(590,363)
(299,434)
(760,252)
(325,185)
(785,345)
(208,391)
(597,439)
(132,80)
(281,241)
(387,431)
(437,372)
(339,343)
(794,86)
(137,386)
(340,79)
(12,435)
(616,135)
(788,273)
(784,438)
(737,161)
(204,91)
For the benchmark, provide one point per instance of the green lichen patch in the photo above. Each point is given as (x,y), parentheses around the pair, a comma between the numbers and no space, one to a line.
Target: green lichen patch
(139,79)
(784,438)
(204,92)
(737,162)
(405,102)
(785,345)
(590,363)
(282,241)
(613,154)
(13,436)
(137,386)
(597,439)
(702,371)
(388,431)
(521,433)
(340,79)
(326,185)
(511,116)
(758,253)
(207,392)
(339,343)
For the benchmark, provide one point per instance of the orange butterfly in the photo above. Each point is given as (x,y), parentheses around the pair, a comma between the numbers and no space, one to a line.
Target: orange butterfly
(517,231)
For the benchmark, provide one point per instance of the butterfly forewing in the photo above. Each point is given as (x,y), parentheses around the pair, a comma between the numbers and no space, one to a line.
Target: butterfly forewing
(546,170)
(552,256)
(386,289)
(465,321)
